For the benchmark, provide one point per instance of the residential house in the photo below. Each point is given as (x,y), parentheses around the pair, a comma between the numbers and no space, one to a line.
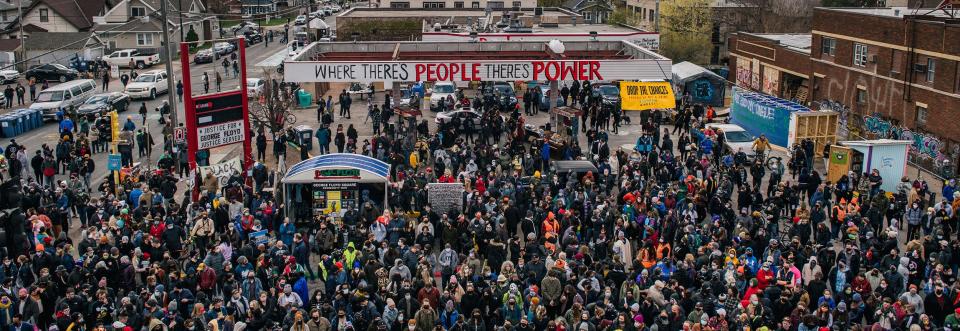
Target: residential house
(644,12)
(593,11)
(61,47)
(256,7)
(136,23)
(57,16)
(8,13)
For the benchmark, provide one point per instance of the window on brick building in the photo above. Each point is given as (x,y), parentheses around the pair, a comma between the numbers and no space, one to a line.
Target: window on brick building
(931,68)
(828,46)
(458,4)
(434,4)
(860,55)
(399,5)
(861,95)
(921,115)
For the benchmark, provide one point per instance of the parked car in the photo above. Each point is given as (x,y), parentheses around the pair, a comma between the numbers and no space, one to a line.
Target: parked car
(148,85)
(105,102)
(300,20)
(255,86)
(245,24)
(440,92)
(223,48)
(63,96)
(734,138)
(51,72)
(9,75)
(508,97)
(203,56)
(609,95)
(336,8)
(252,37)
(140,60)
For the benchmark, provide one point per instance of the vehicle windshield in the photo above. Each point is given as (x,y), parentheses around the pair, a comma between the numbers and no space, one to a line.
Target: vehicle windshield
(51,96)
(146,79)
(738,136)
(503,89)
(59,66)
(443,88)
(609,90)
(97,99)
(252,83)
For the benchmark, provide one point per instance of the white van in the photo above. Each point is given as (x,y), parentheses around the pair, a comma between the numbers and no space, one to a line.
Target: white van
(64,96)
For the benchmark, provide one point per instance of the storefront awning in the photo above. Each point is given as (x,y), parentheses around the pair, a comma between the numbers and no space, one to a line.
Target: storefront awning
(338,167)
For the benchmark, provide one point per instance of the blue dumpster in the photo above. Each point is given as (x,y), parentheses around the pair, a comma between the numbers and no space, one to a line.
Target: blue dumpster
(8,127)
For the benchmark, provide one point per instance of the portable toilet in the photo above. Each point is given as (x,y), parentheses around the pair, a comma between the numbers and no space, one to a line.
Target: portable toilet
(304,98)
(888,156)
(8,126)
(304,136)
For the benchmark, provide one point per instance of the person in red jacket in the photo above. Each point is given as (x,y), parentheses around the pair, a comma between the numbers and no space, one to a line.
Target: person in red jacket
(765,276)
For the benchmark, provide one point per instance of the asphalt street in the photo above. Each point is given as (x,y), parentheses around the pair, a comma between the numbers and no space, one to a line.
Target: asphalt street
(48,133)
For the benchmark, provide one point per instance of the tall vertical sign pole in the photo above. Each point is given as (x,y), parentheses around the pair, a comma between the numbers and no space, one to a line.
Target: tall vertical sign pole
(188,105)
(247,149)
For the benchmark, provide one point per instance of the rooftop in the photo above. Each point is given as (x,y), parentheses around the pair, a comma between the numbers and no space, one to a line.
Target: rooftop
(799,42)
(893,11)
(417,12)
(500,50)
(537,28)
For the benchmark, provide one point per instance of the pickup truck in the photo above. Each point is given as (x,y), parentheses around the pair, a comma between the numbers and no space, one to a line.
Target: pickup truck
(122,58)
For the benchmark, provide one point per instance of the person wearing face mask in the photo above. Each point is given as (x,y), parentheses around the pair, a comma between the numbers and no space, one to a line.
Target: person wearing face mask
(425,318)
(475,322)
(937,305)
(913,216)
(408,304)
(342,321)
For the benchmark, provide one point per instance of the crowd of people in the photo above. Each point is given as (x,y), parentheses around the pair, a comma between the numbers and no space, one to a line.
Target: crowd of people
(679,233)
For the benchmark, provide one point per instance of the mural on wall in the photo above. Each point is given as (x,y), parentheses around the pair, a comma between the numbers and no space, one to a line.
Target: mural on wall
(924,145)
(701,90)
(771,81)
(845,125)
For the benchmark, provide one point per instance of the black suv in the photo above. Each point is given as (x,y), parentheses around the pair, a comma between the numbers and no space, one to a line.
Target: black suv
(50,72)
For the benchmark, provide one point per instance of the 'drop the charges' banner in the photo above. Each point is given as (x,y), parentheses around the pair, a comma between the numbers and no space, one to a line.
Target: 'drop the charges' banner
(646,95)
(490,71)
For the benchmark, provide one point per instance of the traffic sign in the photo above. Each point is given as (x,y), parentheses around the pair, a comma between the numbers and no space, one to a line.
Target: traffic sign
(113,162)
(180,134)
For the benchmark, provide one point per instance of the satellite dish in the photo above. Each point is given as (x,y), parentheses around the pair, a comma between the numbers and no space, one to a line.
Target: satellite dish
(556,46)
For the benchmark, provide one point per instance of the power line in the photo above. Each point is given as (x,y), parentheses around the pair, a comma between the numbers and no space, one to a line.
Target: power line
(92,33)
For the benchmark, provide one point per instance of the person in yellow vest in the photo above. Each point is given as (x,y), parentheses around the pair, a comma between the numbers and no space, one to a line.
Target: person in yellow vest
(414,160)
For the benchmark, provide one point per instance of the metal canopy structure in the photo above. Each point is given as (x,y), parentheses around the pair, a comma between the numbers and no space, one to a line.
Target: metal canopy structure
(496,50)
(476,61)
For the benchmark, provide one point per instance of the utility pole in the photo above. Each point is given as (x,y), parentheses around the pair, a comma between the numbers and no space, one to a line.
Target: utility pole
(656,17)
(23,51)
(180,15)
(171,87)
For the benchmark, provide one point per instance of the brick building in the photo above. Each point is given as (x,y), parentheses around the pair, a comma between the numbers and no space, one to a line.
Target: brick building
(775,64)
(893,73)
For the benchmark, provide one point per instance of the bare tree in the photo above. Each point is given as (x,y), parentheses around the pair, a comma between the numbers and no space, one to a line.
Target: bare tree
(271,110)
